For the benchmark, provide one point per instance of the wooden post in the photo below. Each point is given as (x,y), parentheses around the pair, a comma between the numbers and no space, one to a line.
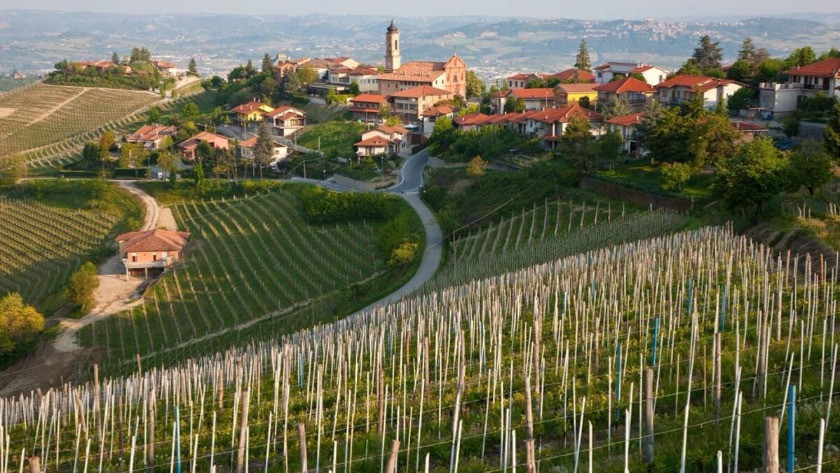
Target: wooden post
(243,436)
(302,434)
(34,464)
(530,457)
(771,445)
(649,415)
(392,458)
(717,376)
(150,453)
(380,400)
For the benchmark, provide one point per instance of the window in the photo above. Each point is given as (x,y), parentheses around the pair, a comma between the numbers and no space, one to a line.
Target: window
(134,257)
(154,256)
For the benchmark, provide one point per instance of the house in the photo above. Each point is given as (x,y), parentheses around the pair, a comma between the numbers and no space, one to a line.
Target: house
(290,65)
(535,99)
(574,76)
(373,146)
(749,131)
(165,67)
(566,94)
(150,251)
(653,75)
(367,78)
(365,107)
(802,81)
(371,143)
(627,126)
(471,121)
(188,148)
(151,136)
(431,116)
(549,125)
(252,111)
(245,149)
(682,88)
(410,104)
(519,81)
(634,91)
(605,72)
(285,120)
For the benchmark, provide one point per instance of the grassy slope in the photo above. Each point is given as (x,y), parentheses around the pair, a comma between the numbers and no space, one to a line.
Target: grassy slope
(336,137)
(646,177)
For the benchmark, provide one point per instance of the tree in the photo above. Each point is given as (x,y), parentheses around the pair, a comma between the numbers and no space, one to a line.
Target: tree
(712,138)
(585,102)
(708,55)
(394,120)
(674,176)
(791,126)
(354,88)
(748,50)
(81,287)
(741,99)
(801,57)
(292,83)
(665,135)
(106,142)
(13,168)
(264,148)
(753,177)
(831,135)
(21,324)
(168,161)
(616,107)
(250,71)
(576,143)
(267,64)
(192,68)
(154,115)
(610,147)
(131,154)
(307,75)
(582,60)
(810,166)
(477,166)
(385,111)
(115,58)
(190,111)
(740,70)
(475,86)
(514,105)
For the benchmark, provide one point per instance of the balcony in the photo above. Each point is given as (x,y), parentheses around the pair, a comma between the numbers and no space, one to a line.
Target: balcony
(144,264)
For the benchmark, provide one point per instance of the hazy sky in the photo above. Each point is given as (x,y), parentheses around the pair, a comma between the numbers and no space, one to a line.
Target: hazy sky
(521,8)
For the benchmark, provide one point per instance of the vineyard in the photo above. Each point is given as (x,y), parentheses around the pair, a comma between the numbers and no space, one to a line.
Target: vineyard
(42,245)
(556,229)
(687,352)
(49,123)
(249,260)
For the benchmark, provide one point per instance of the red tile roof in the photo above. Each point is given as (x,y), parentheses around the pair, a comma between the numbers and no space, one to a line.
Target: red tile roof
(416,71)
(564,114)
(826,68)
(577,88)
(284,110)
(216,141)
(576,74)
(608,65)
(627,120)
(471,119)
(374,141)
(438,111)
(369,98)
(390,130)
(693,82)
(152,132)
(153,240)
(628,84)
(248,107)
(532,94)
(421,91)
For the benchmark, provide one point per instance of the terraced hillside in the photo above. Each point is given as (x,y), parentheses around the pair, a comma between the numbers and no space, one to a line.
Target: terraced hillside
(668,354)
(248,260)
(42,120)
(41,245)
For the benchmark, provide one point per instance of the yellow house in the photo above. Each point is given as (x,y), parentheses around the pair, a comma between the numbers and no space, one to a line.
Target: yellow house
(566,94)
(252,111)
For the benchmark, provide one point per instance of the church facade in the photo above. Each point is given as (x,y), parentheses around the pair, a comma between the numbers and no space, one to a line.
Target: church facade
(450,75)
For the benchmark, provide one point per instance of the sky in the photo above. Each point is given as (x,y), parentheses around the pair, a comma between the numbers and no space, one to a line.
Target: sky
(606,9)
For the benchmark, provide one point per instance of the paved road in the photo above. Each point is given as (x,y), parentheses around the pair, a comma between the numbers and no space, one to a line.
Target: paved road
(411,173)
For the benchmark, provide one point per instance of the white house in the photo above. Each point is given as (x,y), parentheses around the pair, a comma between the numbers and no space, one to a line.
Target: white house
(627,126)
(653,75)
(383,139)
(285,120)
(246,150)
(681,88)
(608,71)
(803,81)
(431,116)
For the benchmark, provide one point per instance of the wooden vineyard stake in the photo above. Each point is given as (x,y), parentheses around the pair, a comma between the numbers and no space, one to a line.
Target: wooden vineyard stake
(302,436)
(820,446)
(392,458)
(243,428)
(771,445)
(649,416)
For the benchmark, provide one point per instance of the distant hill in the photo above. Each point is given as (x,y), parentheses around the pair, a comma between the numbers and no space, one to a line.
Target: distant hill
(34,41)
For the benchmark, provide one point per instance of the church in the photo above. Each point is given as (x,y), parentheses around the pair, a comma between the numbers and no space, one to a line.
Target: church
(450,75)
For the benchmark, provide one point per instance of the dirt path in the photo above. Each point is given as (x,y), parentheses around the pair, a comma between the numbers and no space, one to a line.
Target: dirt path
(53,363)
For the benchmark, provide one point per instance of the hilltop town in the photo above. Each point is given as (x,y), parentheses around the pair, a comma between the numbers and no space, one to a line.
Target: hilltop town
(398,263)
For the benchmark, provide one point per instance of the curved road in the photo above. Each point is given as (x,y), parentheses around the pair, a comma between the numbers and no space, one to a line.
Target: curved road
(411,180)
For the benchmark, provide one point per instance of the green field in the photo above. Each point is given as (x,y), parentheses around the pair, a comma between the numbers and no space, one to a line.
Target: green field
(41,121)
(647,177)
(248,259)
(49,228)
(336,138)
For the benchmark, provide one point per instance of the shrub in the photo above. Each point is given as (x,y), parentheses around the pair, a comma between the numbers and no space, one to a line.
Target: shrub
(21,324)
(403,254)
(675,176)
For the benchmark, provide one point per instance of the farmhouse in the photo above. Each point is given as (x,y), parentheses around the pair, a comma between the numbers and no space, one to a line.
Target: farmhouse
(285,120)
(151,136)
(682,88)
(150,251)
(188,148)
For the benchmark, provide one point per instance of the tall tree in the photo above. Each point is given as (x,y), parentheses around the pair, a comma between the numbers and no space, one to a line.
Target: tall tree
(708,55)
(748,50)
(582,60)
(249,69)
(193,67)
(475,86)
(264,148)
(307,75)
(81,287)
(801,57)
(810,166)
(291,83)
(106,142)
(115,58)
(267,64)
(616,107)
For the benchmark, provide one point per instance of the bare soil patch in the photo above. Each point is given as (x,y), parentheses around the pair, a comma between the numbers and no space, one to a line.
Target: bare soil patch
(5,112)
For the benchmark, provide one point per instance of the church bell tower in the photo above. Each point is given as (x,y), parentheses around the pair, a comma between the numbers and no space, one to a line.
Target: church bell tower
(392,48)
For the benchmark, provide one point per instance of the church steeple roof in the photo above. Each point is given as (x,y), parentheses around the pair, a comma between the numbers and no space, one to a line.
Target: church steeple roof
(392,27)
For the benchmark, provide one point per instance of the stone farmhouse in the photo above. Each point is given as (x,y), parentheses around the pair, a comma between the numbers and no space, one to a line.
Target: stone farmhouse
(150,252)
